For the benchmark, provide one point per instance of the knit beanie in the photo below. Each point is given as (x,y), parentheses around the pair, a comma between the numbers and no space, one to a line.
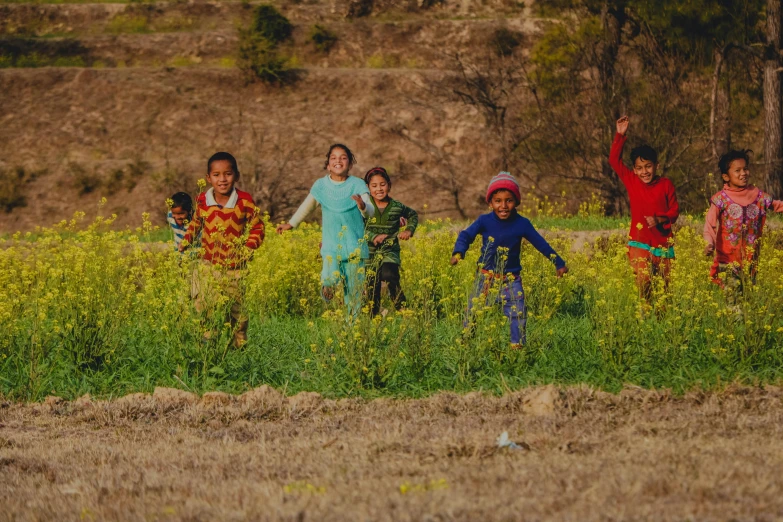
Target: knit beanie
(504,181)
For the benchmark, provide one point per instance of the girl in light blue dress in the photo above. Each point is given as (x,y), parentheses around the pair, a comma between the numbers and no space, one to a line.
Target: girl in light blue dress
(345,204)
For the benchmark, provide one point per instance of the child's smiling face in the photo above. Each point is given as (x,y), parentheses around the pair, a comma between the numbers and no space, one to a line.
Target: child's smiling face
(222,177)
(503,203)
(180,215)
(645,169)
(379,188)
(738,175)
(339,162)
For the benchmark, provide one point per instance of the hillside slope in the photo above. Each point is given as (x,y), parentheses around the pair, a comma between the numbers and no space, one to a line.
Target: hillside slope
(154,92)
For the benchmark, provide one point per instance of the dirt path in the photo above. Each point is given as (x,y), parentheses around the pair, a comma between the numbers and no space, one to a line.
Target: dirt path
(585,455)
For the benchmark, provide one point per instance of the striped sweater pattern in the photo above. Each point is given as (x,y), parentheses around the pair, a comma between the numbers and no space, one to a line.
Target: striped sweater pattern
(222,229)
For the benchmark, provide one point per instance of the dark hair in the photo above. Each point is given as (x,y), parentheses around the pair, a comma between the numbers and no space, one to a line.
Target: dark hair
(377,171)
(183,201)
(223,156)
(725,161)
(644,152)
(351,157)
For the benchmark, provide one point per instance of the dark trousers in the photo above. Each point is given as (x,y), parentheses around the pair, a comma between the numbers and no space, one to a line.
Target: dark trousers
(390,273)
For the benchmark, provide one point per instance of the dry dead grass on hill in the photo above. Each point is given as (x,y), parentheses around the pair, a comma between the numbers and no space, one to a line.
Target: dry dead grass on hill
(639,455)
(64,122)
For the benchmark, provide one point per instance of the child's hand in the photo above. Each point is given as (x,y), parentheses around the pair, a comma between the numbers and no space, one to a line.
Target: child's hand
(359,201)
(622,125)
(709,248)
(282,227)
(651,221)
(455,259)
(404,235)
(380,238)
(562,271)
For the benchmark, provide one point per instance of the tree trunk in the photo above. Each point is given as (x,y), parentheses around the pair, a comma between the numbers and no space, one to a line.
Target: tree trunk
(720,119)
(773,131)
(613,19)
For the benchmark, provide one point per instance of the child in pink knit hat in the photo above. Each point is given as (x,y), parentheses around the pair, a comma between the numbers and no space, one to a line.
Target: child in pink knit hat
(506,181)
(504,228)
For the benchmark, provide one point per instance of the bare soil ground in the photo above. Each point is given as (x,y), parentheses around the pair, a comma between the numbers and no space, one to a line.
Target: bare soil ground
(586,455)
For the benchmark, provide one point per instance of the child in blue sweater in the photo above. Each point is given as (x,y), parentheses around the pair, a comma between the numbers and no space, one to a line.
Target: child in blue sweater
(504,228)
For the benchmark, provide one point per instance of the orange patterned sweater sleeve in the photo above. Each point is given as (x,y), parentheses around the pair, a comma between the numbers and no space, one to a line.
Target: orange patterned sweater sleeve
(255,224)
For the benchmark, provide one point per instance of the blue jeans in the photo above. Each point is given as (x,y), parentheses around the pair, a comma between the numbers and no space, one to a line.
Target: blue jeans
(511,295)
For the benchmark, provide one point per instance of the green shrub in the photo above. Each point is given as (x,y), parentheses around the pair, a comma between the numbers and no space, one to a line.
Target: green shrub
(38,52)
(126,178)
(360,8)
(505,41)
(12,188)
(323,39)
(270,24)
(258,54)
(123,23)
(85,182)
(259,59)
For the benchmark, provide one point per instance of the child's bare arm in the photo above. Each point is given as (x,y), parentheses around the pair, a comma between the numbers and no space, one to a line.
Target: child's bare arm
(616,152)
(622,125)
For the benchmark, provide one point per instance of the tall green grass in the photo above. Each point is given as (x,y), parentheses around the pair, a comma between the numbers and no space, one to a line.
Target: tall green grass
(106,313)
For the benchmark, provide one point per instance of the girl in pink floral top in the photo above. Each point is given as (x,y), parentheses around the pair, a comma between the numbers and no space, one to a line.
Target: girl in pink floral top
(735,221)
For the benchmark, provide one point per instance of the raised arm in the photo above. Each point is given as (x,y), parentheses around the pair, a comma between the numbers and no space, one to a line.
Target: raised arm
(616,152)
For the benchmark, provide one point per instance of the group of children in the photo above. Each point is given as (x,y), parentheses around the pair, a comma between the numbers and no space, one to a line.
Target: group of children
(362,227)
(732,229)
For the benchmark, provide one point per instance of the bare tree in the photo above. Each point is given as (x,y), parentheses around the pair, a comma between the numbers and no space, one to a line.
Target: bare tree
(773,118)
(276,185)
(720,104)
(446,177)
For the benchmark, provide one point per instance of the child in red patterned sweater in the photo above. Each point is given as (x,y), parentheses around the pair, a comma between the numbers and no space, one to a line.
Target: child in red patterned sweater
(230,225)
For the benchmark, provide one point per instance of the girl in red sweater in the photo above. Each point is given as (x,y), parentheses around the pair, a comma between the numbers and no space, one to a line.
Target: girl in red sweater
(654,209)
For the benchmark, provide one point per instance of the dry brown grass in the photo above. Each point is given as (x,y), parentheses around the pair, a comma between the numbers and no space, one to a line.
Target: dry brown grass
(639,455)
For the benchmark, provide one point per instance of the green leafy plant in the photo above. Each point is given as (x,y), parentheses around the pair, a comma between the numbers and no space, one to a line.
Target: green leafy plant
(259,56)
(12,191)
(322,38)
(504,41)
(270,24)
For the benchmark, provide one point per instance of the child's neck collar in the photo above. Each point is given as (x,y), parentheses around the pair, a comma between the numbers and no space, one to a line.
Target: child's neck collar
(339,179)
(230,203)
